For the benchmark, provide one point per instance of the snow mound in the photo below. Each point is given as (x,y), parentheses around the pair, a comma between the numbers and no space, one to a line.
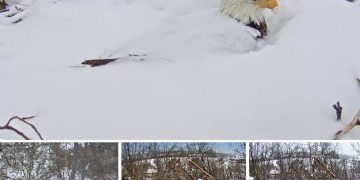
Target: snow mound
(175,9)
(186,38)
(284,90)
(197,28)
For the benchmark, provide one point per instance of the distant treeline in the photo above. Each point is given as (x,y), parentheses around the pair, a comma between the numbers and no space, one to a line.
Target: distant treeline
(154,161)
(279,161)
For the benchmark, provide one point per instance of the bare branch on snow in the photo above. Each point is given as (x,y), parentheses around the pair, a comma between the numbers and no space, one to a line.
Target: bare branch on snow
(338,110)
(24,120)
(351,125)
(98,62)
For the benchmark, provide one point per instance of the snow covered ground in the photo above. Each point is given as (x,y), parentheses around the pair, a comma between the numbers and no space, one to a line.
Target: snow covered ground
(203,77)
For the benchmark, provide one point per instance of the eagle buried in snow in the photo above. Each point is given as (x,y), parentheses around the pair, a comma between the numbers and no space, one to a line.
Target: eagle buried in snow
(249,12)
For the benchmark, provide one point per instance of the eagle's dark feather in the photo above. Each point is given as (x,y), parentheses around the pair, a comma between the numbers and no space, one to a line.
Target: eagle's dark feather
(249,12)
(262,27)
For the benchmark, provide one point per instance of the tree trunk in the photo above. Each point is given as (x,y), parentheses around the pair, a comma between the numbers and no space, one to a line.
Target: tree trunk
(75,159)
(57,161)
(84,169)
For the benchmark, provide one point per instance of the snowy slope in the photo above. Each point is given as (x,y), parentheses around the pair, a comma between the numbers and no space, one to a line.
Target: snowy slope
(200,73)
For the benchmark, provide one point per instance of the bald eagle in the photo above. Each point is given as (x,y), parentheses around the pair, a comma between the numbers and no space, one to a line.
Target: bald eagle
(198,34)
(249,12)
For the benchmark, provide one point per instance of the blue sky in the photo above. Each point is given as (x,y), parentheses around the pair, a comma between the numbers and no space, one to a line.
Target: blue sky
(347,149)
(223,147)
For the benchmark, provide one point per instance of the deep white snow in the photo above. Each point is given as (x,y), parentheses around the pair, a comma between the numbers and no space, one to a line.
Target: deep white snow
(204,76)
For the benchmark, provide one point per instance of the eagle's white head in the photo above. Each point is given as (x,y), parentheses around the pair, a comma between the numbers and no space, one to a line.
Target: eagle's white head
(247,11)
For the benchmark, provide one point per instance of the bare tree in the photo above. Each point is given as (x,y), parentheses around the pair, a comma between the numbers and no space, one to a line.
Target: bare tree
(56,161)
(179,161)
(356,147)
(75,161)
(85,163)
(296,161)
(239,148)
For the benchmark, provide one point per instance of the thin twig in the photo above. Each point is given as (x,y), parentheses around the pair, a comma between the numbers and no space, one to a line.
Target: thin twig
(111,54)
(77,66)
(24,120)
(18,132)
(130,55)
(19,9)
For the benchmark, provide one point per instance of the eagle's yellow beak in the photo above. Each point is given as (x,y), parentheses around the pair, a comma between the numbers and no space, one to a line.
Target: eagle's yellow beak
(270,4)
